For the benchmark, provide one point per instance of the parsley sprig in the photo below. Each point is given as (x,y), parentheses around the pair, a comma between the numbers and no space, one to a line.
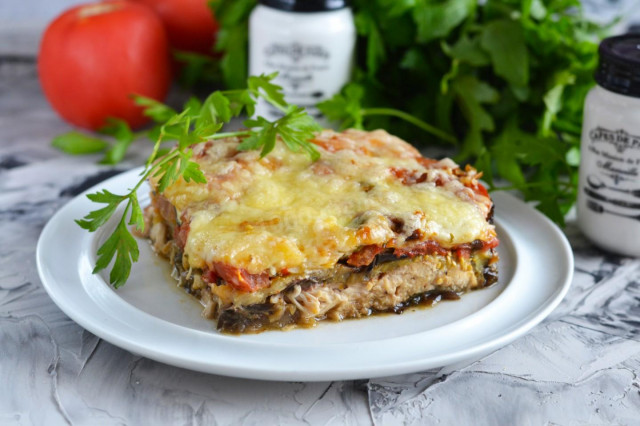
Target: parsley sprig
(198,122)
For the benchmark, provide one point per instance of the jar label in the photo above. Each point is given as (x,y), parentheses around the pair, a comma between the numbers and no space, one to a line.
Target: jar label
(618,153)
(611,168)
(310,69)
(296,51)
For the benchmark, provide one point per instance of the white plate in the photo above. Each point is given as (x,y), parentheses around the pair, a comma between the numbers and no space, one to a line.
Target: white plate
(150,316)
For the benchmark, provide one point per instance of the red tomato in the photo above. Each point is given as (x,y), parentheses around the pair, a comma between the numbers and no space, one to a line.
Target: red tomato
(190,23)
(94,57)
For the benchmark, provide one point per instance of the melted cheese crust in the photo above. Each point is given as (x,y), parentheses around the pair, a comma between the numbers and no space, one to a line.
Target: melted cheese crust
(285,213)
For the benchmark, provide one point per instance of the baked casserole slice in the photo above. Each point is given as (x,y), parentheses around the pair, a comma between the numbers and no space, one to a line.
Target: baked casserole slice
(282,241)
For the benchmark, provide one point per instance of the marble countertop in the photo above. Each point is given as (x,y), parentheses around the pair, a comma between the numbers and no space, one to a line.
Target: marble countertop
(580,366)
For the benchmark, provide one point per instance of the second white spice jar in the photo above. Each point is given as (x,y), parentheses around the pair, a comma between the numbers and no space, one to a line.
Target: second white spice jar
(609,188)
(310,43)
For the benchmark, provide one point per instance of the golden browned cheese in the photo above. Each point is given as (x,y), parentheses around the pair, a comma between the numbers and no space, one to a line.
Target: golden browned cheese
(284,212)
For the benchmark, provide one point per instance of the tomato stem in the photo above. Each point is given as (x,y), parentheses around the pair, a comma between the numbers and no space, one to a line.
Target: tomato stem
(97,9)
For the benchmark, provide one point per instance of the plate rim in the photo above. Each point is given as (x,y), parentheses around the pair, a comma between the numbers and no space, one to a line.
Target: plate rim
(490,343)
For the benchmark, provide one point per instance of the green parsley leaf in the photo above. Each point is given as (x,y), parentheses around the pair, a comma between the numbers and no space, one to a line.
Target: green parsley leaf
(468,50)
(534,9)
(168,173)
(153,109)
(472,94)
(376,52)
(124,248)
(137,216)
(193,106)
(95,219)
(434,20)
(553,99)
(397,7)
(191,172)
(118,129)
(345,107)
(505,43)
(216,108)
(295,128)
(573,156)
(505,155)
(264,137)
(241,100)
(76,143)
(414,60)
(196,68)
(233,39)
(262,86)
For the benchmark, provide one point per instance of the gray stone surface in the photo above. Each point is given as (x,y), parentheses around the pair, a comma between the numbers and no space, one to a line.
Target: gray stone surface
(579,367)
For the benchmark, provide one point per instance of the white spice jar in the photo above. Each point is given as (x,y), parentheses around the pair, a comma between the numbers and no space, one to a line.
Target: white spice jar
(609,189)
(309,42)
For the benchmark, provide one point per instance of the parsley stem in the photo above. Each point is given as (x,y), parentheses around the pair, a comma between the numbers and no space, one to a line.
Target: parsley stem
(148,171)
(566,126)
(411,119)
(228,134)
(154,152)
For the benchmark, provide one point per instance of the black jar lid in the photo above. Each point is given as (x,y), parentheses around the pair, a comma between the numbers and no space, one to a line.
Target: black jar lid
(306,5)
(619,66)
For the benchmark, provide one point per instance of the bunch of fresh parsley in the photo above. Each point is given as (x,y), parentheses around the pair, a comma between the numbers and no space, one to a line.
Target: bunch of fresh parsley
(503,79)
(198,122)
